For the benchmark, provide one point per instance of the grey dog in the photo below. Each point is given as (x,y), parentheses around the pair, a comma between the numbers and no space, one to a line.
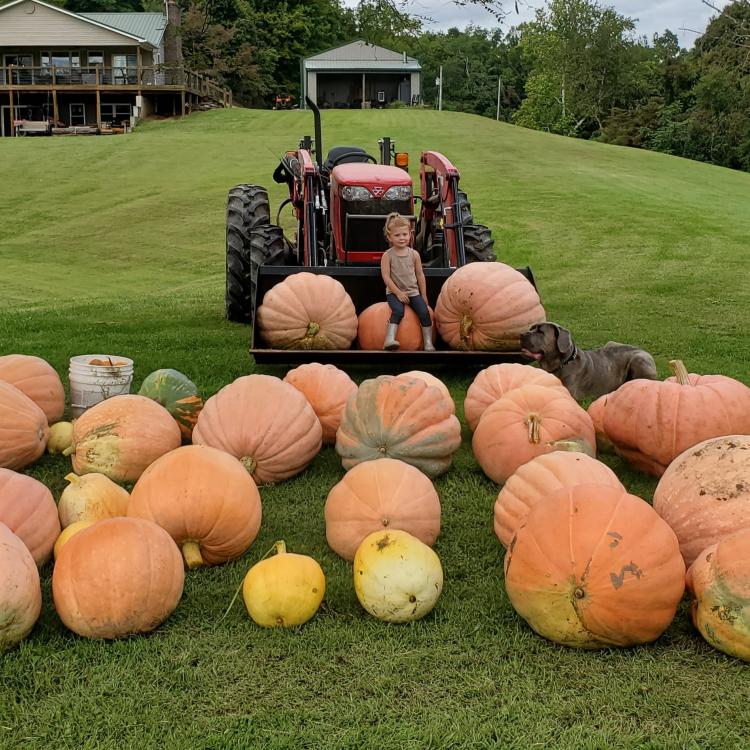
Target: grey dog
(586,374)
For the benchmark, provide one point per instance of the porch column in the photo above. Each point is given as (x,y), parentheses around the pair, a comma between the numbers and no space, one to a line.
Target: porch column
(363,91)
(139,68)
(55,114)
(182,101)
(10,95)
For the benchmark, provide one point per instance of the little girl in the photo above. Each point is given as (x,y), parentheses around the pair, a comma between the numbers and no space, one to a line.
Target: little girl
(401,268)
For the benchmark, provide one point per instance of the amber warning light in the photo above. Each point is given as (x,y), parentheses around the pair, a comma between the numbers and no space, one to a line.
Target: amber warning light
(402,160)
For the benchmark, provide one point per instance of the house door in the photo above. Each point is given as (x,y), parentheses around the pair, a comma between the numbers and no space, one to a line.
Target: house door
(18,61)
(77,114)
(5,128)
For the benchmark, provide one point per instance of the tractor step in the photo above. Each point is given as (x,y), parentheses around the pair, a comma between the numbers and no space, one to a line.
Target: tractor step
(365,286)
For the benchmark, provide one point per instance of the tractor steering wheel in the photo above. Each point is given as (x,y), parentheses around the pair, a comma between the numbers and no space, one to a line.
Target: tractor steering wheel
(368,157)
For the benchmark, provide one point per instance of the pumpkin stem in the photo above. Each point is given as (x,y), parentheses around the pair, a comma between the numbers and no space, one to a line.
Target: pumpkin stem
(534,423)
(680,371)
(280,547)
(191,551)
(72,478)
(312,329)
(70,449)
(465,327)
(249,463)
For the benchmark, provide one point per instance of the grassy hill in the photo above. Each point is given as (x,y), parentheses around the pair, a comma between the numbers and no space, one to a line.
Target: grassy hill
(116,244)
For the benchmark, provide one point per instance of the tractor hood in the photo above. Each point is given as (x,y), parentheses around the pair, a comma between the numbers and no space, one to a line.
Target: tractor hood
(369,174)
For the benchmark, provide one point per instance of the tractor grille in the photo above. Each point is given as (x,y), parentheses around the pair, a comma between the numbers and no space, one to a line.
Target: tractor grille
(364,222)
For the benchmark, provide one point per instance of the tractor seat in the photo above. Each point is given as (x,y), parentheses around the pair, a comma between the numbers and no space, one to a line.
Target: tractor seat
(337,151)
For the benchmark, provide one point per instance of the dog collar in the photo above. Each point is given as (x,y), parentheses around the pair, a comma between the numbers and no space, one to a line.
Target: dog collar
(570,359)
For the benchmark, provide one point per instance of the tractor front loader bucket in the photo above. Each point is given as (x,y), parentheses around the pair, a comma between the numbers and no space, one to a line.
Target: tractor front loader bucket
(365,287)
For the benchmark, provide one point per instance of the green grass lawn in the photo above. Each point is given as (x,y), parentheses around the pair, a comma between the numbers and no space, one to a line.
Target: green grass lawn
(116,245)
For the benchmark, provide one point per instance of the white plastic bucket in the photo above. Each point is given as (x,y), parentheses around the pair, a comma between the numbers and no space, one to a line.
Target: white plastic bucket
(90,384)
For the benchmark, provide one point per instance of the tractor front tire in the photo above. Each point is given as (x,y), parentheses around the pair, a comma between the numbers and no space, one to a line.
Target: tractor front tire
(248,207)
(478,243)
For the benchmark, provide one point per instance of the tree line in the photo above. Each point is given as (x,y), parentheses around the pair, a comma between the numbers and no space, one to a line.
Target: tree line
(578,69)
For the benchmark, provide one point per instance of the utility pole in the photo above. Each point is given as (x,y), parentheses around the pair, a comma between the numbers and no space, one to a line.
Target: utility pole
(499,91)
(440,90)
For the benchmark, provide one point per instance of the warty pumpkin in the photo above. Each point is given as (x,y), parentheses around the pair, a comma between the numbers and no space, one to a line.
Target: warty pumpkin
(265,423)
(704,494)
(651,422)
(398,417)
(327,390)
(285,590)
(20,590)
(23,428)
(397,578)
(380,495)
(539,478)
(307,311)
(593,566)
(719,582)
(372,322)
(495,381)
(119,577)
(36,378)
(204,499)
(121,436)
(486,306)
(28,509)
(527,422)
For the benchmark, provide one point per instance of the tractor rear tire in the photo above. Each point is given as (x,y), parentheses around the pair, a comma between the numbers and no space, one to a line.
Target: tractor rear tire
(478,243)
(248,207)
(465,208)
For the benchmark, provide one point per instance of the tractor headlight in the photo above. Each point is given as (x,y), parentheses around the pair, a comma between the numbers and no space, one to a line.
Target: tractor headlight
(355,193)
(398,193)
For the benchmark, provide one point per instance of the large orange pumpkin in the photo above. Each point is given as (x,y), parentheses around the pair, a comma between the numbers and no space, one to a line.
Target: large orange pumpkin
(704,494)
(23,428)
(651,422)
(38,380)
(378,495)
(486,306)
(28,509)
(118,577)
(121,436)
(307,311)
(20,591)
(266,423)
(372,323)
(527,422)
(593,566)
(327,389)
(204,499)
(495,381)
(596,412)
(399,417)
(539,478)
(432,380)
(719,581)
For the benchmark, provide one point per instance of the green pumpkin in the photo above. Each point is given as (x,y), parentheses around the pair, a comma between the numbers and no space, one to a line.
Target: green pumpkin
(177,394)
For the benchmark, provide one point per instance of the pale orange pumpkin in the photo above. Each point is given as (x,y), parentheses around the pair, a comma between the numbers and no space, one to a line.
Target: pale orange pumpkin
(307,311)
(593,566)
(719,581)
(495,381)
(378,495)
(398,417)
(704,494)
(20,590)
(651,422)
(38,380)
(486,306)
(204,499)
(266,423)
(28,509)
(596,412)
(327,389)
(432,380)
(539,478)
(23,428)
(527,422)
(374,319)
(118,577)
(121,436)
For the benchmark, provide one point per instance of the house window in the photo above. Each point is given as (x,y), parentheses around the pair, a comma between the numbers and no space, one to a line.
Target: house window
(125,69)
(95,57)
(117,114)
(61,59)
(18,61)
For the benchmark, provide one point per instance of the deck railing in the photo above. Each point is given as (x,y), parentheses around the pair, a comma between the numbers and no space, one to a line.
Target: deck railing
(101,76)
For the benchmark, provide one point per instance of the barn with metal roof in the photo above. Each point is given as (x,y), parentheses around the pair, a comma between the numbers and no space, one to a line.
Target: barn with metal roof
(360,75)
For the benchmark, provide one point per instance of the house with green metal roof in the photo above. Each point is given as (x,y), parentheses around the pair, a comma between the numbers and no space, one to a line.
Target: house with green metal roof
(63,72)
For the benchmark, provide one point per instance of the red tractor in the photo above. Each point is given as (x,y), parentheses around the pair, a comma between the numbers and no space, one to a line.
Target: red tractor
(340,205)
